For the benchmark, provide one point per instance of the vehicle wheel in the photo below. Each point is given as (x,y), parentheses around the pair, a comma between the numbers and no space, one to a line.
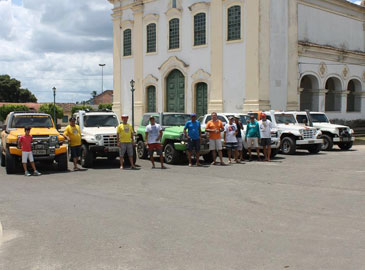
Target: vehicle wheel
(142,150)
(274,152)
(87,157)
(126,158)
(244,153)
(345,146)
(112,158)
(327,143)
(315,149)
(2,158)
(62,163)
(10,163)
(288,146)
(208,157)
(171,155)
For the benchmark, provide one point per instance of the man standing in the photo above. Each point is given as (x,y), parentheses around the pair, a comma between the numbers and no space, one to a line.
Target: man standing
(73,135)
(252,136)
(215,127)
(153,141)
(230,139)
(125,141)
(265,133)
(239,137)
(25,143)
(193,135)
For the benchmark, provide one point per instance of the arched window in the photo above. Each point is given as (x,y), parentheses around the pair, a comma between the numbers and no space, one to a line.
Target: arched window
(199,29)
(151,38)
(127,42)
(354,100)
(151,98)
(174,34)
(234,23)
(333,98)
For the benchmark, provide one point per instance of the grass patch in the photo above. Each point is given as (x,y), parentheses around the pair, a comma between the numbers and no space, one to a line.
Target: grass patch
(360,141)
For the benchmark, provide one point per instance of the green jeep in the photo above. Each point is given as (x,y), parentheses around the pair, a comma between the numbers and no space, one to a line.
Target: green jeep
(173,140)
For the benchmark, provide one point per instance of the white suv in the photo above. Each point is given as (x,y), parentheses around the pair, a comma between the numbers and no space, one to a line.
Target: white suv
(332,134)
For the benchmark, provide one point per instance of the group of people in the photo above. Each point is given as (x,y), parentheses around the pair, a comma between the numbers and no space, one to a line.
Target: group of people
(256,133)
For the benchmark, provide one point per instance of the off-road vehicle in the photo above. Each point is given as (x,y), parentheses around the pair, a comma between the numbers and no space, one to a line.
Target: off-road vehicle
(47,144)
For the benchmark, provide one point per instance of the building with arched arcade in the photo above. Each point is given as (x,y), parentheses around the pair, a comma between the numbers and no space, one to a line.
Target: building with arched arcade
(239,55)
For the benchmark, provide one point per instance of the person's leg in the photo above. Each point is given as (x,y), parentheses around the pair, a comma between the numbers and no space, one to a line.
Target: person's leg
(236,155)
(121,155)
(25,167)
(159,151)
(130,155)
(219,149)
(265,151)
(212,150)
(150,152)
(229,152)
(269,152)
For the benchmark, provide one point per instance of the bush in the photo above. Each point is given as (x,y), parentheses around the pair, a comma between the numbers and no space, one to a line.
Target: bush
(6,109)
(48,108)
(81,107)
(105,106)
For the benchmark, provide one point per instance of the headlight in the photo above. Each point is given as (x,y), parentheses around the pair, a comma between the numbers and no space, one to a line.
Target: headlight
(98,137)
(53,139)
(301,131)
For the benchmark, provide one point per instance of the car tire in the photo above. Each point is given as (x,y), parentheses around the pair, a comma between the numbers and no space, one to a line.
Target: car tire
(327,143)
(208,157)
(288,146)
(172,156)
(345,146)
(315,149)
(142,150)
(62,163)
(2,158)
(87,157)
(10,163)
(274,152)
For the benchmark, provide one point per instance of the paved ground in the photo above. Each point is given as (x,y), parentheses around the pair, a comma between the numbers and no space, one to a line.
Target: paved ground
(299,212)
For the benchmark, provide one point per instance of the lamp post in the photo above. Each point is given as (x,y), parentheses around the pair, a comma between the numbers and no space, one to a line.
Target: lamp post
(132,90)
(54,106)
(102,77)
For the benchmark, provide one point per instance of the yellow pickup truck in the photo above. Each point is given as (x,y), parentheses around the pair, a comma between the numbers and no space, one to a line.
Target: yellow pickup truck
(48,145)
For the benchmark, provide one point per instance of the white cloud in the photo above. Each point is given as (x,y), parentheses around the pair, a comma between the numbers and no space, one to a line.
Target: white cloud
(57,43)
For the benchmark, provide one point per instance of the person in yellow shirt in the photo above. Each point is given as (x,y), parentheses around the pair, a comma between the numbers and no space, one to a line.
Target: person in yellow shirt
(126,141)
(73,135)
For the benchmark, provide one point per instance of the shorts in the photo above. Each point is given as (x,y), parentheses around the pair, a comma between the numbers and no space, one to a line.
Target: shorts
(75,151)
(27,156)
(252,142)
(215,144)
(231,145)
(126,147)
(265,142)
(154,147)
(239,144)
(194,144)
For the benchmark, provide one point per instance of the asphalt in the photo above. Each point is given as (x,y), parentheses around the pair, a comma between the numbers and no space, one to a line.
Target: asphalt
(298,212)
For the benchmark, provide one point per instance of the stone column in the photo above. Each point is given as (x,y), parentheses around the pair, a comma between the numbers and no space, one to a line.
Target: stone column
(117,63)
(137,50)
(319,99)
(343,100)
(361,95)
(257,83)
(216,55)
(292,96)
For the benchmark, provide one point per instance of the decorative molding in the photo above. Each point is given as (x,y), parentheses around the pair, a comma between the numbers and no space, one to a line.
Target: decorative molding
(150,80)
(345,72)
(173,62)
(151,18)
(200,75)
(173,13)
(199,7)
(127,24)
(363,76)
(322,69)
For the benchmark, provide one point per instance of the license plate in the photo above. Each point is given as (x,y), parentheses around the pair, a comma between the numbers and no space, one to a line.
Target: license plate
(311,141)
(39,152)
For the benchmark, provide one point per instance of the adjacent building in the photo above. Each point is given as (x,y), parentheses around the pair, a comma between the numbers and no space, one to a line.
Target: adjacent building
(239,55)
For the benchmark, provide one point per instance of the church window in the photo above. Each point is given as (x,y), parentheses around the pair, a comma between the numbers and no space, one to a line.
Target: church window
(174,38)
(234,23)
(200,29)
(151,38)
(127,42)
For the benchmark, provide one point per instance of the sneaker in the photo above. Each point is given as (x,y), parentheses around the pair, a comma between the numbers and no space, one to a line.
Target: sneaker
(36,173)
(27,173)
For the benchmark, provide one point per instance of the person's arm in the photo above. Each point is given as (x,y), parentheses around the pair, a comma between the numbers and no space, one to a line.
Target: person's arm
(146,135)
(161,132)
(185,133)
(247,128)
(20,143)
(258,131)
(118,139)
(221,127)
(132,137)
(208,128)
(65,134)
(225,134)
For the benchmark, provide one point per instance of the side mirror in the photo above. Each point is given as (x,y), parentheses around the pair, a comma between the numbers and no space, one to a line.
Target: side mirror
(58,126)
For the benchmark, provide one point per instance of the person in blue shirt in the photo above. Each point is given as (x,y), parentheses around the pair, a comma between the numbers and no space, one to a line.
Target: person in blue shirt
(192,131)
(253,136)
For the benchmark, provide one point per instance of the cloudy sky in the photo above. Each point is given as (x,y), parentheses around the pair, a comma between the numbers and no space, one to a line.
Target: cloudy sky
(47,43)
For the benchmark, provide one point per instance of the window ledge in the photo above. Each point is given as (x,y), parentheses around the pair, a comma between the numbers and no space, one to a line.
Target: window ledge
(151,53)
(200,46)
(234,41)
(127,57)
(174,50)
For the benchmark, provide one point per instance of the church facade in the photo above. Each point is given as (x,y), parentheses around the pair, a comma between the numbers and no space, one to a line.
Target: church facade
(239,55)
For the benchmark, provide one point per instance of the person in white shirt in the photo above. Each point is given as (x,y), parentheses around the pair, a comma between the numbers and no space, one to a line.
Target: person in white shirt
(153,141)
(230,139)
(265,134)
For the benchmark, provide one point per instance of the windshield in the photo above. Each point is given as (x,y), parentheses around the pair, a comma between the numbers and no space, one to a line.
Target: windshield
(175,119)
(319,118)
(302,119)
(285,119)
(101,121)
(21,121)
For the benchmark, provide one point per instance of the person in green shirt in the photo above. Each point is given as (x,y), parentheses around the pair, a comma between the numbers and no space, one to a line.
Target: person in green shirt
(253,136)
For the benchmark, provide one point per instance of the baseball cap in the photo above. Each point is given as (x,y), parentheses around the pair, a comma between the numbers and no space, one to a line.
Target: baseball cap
(193,114)
(72,119)
(263,115)
(124,116)
(237,116)
(230,117)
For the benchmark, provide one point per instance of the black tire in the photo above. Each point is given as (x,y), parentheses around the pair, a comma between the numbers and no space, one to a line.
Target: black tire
(126,158)
(172,156)
(142,150)
(87,157)
(345,146)
(274,152)
(327,143)
(208,157)
(2,158)
(62,163)
(10,163)
(315,149)
(288,146)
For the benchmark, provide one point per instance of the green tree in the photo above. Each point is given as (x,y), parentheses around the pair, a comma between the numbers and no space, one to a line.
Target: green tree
(48,108)
(94,93)
(105,106)
(11,91)
(6,109)
(81,107)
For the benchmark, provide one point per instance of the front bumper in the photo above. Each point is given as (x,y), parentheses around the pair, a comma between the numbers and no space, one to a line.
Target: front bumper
(343,139)
(49,156)
(183,146)
(309,141)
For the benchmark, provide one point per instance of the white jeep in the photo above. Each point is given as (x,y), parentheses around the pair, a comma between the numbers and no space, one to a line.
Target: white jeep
(332,134)
(99,135)
(293,135)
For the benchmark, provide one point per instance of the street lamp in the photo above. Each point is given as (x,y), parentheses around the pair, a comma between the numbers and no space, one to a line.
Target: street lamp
(102,77)
(54,106)
(132,90)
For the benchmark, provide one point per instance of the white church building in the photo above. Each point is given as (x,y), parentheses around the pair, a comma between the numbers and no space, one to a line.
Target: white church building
(239,55)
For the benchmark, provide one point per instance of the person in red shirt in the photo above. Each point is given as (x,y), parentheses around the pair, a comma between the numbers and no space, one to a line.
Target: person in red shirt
(25,143)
